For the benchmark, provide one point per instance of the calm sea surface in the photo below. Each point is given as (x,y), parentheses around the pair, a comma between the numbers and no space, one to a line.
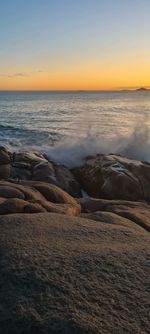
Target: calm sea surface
(42,119)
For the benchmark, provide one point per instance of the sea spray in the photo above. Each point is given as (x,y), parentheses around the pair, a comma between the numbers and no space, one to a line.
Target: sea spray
(72,152)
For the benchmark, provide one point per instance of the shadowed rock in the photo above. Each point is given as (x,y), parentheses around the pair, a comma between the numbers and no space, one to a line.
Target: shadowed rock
(59,175)
(5,156)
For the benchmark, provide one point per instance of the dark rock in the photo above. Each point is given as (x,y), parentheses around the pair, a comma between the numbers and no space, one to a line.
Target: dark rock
(115,177)
(59,175)
(21,171)
(9,191)
(5,156)
(4,171)
(31,158)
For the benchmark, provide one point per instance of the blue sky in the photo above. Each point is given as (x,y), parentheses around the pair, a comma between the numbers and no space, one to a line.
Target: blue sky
(45,35)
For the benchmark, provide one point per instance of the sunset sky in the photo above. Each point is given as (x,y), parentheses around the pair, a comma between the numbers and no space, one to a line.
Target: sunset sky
(74,44)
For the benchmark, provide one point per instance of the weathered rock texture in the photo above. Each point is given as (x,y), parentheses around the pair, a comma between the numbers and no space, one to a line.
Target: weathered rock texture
(115,177)
(76,275)
(17,197)
(72,275)
(34,166)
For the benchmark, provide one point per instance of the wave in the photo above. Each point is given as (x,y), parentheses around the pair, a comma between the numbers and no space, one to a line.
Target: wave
(72,152)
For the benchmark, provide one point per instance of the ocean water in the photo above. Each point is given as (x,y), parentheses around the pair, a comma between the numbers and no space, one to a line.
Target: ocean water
(72,124)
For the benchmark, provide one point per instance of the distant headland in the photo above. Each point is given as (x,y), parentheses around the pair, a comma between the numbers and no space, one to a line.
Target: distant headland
(142,89)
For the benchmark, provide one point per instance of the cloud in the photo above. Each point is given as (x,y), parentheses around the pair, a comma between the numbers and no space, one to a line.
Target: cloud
(20,74)
(40,71)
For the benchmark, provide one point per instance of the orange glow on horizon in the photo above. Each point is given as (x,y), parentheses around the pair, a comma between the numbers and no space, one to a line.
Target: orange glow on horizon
(98,77)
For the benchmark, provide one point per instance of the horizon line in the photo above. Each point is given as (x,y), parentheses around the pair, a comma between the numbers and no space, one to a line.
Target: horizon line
(77,90)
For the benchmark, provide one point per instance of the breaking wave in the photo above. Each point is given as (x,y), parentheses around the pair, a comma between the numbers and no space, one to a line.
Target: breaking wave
(72,152)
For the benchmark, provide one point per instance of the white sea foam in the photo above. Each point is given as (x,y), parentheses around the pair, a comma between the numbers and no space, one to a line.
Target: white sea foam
(72,152)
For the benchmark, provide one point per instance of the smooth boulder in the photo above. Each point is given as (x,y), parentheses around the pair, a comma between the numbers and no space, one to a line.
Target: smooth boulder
(71,275)
(115,177)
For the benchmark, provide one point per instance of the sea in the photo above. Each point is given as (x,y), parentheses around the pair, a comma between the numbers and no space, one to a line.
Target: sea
(69,125)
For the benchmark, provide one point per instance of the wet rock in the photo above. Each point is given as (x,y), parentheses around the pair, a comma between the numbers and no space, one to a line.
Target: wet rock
(115,177)
(31,158)
(21,171)
(5,156)
(59,175)
(44,172)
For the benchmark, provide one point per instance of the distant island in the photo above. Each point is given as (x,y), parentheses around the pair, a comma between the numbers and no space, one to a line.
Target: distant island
(142,89)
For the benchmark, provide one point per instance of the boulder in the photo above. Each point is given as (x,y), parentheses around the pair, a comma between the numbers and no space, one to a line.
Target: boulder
(5,156)
(59,175)
(12,205)
(137,212)
(9,191)
(32,197)
(28,192)
(115,177)
(21,171)
(30,158)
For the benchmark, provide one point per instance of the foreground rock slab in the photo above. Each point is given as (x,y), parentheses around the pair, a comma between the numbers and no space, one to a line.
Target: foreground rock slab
(72,275)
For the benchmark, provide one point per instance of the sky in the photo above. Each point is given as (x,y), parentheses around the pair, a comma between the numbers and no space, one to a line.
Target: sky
(74,44)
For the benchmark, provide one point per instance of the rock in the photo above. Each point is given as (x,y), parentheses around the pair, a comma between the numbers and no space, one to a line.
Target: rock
(5,156)
(115,177)
(67,209)
(110,218)
(70,275)
(66,180)
(44,172)
(59,175)
(10,192)
(12,205)
(4,171)
(36,197)
(21,171)
(34,208)
(29,193)
(54,193)
(137,212)
(30,158)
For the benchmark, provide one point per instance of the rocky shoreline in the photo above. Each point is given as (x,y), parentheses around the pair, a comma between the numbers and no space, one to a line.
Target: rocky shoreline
(30,183)
(72,263)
